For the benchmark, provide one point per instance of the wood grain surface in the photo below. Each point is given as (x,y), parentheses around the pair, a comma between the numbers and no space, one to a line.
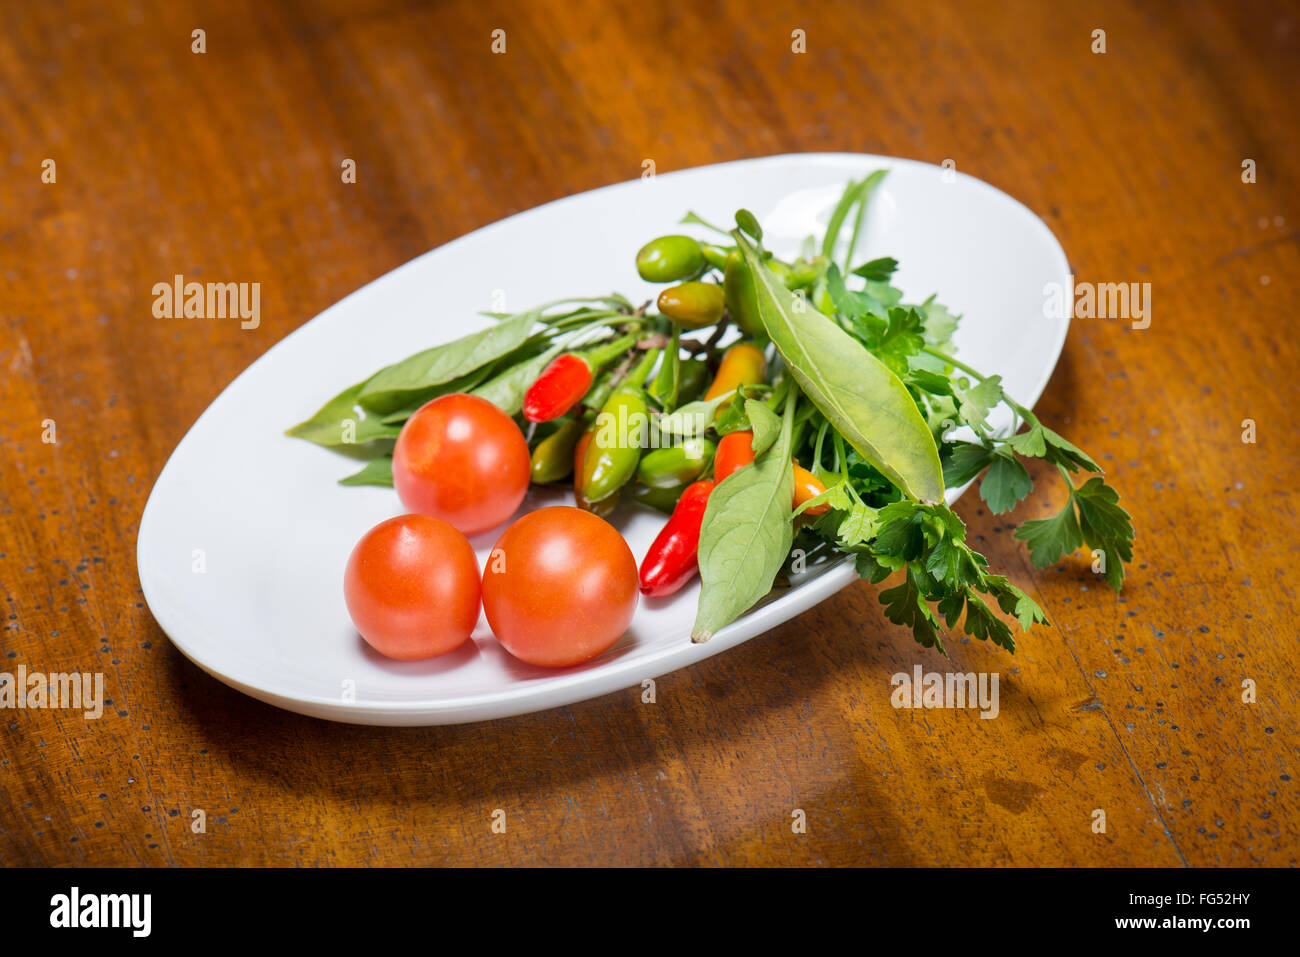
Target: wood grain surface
(225,165)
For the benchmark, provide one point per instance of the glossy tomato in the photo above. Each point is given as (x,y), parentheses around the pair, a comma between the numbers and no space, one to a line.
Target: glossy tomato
(559,587)
(412,587)
(461,459)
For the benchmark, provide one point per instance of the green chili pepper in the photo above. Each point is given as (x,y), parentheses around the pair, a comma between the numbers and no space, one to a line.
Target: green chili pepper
(620,431)
(716,256)
(552,460)
(677,465)
(692,377)
(738,292)
(669,258)
(667,381)
(660,499)
(692,305)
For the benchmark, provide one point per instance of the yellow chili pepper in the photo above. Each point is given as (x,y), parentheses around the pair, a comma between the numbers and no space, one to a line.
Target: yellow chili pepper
(743,364)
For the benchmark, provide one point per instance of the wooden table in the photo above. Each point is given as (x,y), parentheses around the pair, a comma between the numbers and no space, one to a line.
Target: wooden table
(227,164)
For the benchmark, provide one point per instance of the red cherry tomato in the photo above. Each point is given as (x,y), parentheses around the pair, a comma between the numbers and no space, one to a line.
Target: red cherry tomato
(560,587)
(461,459)
(412,587)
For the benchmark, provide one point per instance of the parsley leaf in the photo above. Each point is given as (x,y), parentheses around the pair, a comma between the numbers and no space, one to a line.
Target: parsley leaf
(962,461)
(901,339)
(1005,483)
(975,402)
(1050,538)
(981,623)
(878,270)
(1041,442)
(905,605)
(1105,526)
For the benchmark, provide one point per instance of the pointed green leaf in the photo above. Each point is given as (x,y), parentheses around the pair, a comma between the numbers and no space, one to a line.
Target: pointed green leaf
(865,402)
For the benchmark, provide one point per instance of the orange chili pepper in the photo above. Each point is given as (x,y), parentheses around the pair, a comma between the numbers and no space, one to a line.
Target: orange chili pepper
(742,364)
(735,450)
(807,487)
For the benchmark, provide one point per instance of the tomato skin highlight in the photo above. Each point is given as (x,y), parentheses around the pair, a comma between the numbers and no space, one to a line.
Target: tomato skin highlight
(412,587)
(559,587)
(735,451)
(461,459)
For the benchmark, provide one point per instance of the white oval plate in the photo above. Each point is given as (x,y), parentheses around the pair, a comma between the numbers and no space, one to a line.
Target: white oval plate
(266,613)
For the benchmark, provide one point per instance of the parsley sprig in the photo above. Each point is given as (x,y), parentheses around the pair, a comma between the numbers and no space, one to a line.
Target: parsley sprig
(943,579)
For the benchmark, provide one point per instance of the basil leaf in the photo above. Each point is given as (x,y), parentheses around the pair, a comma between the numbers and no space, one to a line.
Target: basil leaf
(416,400)
(446,362)
(865,402)
(745,536)
(764,422)
(375,472)
(694,417)
(342,421)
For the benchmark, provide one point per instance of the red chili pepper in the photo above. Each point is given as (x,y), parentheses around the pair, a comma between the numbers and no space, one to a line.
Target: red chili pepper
(559,388)
(673,559)
(735,450)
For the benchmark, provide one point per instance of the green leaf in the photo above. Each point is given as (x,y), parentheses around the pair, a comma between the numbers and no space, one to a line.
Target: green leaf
(851,195)
(940,324)
(953,563)
(858,526)
(902,531)
(765,423)
(928,381)
(1015,602)
(745,537)
(879,270)
(463,384)
(962,461)
(1031,444)
(870,567)
(900,340)
(852,305)
(905,605)
(865,402)
(693,418)
(975,402)
(981,623)
(1050,538)
(343,421)
(1061,452)
(433,367)
(1041,442)
(695,220)
(836,496)
(375,472)
(1005,483)
(855,194)
(1105,526)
